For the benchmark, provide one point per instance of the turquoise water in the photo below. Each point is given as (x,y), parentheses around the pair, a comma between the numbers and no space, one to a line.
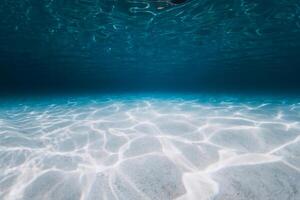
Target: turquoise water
(149,45)
(149,99)
(150,147)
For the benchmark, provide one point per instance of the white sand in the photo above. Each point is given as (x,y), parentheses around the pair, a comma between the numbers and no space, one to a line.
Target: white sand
(150,148)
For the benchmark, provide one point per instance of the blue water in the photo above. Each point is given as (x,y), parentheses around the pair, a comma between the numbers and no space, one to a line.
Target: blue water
(149,100)
(153,45)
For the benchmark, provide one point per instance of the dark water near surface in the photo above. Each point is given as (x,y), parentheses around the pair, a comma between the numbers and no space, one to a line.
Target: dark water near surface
(195,45)
(190,110)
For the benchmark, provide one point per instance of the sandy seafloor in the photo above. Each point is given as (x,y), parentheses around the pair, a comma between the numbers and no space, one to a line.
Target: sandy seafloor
(150,148)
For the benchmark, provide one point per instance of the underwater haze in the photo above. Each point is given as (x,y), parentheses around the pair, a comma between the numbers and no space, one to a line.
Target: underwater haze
(149,100)
(160,45)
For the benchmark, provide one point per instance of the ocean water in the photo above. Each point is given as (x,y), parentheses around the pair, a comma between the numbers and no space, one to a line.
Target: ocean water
(153,45)
(149,100)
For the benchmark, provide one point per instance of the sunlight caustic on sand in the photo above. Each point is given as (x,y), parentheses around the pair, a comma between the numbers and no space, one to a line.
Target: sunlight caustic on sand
(150,148)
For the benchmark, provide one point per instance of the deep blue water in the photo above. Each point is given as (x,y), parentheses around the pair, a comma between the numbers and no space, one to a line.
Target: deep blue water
(149,45)
(149,100)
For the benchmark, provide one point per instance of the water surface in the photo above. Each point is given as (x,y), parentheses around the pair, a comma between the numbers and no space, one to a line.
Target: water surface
(149,45)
